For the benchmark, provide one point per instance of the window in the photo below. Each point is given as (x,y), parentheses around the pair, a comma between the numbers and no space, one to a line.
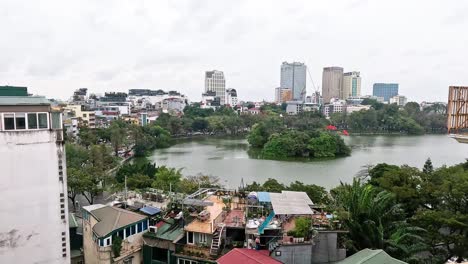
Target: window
(187,261)
(202,238)
(128,261)
(56,120)
(84,115)
(20,120)
(190,238)
(127,232)
(9,121)
(132,230)
(42,120)
(32,121)
(107,241)
(145,225)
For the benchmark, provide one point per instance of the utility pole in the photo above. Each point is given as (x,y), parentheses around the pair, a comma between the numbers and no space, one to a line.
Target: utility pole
(125,191)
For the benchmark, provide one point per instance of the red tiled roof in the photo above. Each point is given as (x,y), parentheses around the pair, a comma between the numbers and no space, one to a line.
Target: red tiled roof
(246,256)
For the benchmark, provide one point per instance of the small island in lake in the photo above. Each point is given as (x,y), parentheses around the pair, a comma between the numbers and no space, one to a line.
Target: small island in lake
(276,141)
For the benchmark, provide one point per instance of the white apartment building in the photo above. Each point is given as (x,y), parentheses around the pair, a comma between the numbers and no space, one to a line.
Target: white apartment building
(215,82)
(356,108)
(335,106)
(400,100)
(231,97)
(34,212)
(351,84)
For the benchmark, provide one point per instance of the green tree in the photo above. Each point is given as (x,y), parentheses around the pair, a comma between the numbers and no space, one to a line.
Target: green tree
(167,177)
(317,194)
(191,184)
(428,168)
(116,246)
(374,220)
(323,146)
(117,138)
(272,185)
(76,184)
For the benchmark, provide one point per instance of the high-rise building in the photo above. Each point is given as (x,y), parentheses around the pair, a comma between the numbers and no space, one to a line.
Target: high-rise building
(34,213)
(385,90)
(293,76)
(351,84)
(215,82)
(332,83)
(283,95)
(231,97)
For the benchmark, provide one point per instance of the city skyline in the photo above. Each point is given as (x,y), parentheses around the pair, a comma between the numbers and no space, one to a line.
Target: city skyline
(150,45)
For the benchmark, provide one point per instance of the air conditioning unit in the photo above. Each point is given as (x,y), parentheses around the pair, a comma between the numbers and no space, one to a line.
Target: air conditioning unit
(153,229)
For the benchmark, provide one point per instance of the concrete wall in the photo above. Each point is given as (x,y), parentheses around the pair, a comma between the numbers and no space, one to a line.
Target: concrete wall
(294,254)
(32,227)
(326,249)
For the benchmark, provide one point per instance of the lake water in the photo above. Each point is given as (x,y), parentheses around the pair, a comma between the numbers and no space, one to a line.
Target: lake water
(228,159)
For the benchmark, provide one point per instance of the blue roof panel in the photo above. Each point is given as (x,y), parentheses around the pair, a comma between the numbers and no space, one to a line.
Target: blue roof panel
(264,197)
(150,210)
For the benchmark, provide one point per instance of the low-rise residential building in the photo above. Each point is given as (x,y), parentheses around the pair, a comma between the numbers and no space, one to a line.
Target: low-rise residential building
(102,225)
(294,107)
(86,117)
(335,106)
(231,97)
(356,108)
(399,100)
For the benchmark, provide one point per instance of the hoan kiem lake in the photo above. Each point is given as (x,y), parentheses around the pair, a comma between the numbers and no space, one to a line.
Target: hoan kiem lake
(228,159)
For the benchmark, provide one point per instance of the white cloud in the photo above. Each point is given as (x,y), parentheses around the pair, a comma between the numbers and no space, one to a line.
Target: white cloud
(55,47)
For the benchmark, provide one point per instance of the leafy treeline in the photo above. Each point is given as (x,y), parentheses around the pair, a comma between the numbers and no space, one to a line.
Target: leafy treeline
(415,215)
(389,118)
(86,168)
(296,136)
(146,175)
(224,120)
(121,134)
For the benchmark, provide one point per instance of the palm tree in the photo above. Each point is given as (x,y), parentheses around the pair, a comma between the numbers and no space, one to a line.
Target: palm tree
(374,220)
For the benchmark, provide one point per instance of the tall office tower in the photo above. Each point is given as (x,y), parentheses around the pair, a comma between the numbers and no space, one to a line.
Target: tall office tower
(351,84)
(215,82)
(385,90)
(332,83)
(293,76)
(34,212)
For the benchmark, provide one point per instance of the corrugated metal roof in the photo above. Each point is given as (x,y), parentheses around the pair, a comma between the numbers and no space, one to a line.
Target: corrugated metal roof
(150,210)
(170,230)
(24,100)
(368,256)
(290,203)
(247,256)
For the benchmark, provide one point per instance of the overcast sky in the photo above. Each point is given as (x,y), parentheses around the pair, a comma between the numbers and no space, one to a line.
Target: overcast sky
(55,47)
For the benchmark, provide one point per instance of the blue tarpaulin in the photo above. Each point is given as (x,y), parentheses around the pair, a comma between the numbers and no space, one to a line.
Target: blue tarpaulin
(150,210)
(264,197)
